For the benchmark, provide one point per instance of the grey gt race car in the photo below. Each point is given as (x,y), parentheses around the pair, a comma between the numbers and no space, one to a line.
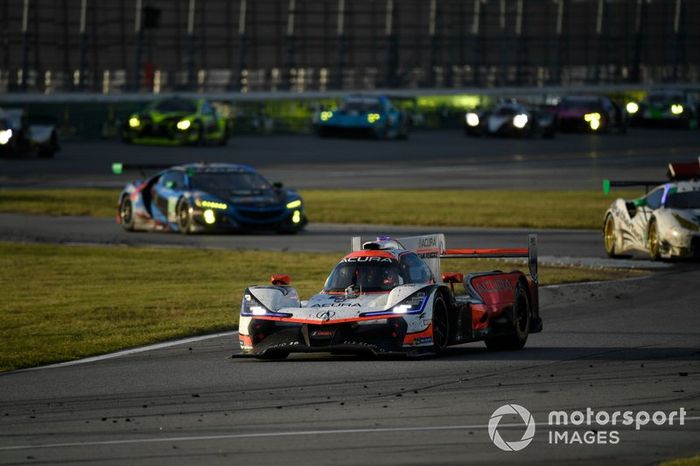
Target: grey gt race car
(510,119)
(19,136)
(665,223)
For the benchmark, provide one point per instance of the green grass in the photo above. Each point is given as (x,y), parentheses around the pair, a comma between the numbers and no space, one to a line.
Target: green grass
(691,461)
(467,208)
(65,302)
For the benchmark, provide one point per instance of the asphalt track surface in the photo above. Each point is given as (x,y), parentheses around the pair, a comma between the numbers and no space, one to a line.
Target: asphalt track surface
(429,159)
(630,345)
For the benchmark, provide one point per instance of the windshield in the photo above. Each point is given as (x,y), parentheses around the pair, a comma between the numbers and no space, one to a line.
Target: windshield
(361,106)
(175,105)
(364,276)
(234,183)
(686,200)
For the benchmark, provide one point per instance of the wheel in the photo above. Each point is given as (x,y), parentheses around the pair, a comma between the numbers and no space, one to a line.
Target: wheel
(609,237)
(522,316)
(184,217)
(126,214)
(653,238)
(441,325)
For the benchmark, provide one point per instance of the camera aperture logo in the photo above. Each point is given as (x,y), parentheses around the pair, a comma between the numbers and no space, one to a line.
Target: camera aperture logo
(527,418)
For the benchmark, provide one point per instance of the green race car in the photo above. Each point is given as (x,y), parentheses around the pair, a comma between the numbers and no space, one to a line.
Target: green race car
(176,121)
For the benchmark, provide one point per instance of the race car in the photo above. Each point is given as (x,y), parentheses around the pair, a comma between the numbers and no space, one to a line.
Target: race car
(18,136)
(665,223)
(389,297)
(176,121)
(590,114)
(510,119)
(665,108)
(204,197)
(366,115)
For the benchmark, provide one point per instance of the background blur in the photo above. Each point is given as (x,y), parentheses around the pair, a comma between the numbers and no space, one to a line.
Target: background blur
(112,46)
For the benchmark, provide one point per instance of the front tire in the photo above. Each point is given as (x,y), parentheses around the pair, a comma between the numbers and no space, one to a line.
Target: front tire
(609,237)
(126,213)
(184,217)
(522,317)
(441,325)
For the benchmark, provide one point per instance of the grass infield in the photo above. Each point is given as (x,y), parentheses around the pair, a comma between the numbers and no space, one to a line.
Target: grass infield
(483,208)
(66,302)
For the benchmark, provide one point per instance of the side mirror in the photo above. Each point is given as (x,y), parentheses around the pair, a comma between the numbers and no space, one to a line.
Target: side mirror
(452,278)
(277,185)
(280,280)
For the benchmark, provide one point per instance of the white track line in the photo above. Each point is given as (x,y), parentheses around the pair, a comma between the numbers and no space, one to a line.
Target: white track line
(141,349)
(199,438)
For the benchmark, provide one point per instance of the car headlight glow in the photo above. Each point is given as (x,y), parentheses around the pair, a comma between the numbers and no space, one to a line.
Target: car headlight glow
(294,204)
(134,122)
(412,304)
(676,109)
(212,204)
(326,115)
(685,223)
(209,216)
(296,217)
(472,119)
(252,307)
(5,136)
(374,117)
(632,107)
(519,121)
(593,120)
(184,125)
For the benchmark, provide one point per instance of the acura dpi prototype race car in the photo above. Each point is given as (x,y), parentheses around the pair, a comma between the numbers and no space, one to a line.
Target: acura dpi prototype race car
(510,119)
(176,121)
(664,223)
(365,115)
(666,108)
(590,113)
(208,198)
(389,296)
(18,136)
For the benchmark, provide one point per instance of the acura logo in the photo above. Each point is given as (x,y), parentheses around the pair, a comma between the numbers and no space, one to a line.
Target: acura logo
(325,315)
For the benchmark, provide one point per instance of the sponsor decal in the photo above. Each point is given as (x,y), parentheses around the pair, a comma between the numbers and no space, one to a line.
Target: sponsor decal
(493,286)
(336,305)
(366,259)
(427,242)
(325,315)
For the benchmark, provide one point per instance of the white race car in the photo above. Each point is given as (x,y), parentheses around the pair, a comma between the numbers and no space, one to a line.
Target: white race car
(664,223)
(385,298)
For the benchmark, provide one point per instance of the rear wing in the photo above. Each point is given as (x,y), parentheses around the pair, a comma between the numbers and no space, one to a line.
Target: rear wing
(678,171)
(118,168)
(609,184)
(530,252)
(431,248)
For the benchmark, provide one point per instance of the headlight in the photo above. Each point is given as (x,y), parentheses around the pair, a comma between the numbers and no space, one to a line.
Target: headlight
(412,304)
(472,119)
(326,115)
(209,216)
(519,121)
(593,120)
(211,204)
(252,307)
(183,125)
(134,122)
(685,223)
(294,204)
(676,109)
(374,117)
(5,136)
(296,217)
(632,107)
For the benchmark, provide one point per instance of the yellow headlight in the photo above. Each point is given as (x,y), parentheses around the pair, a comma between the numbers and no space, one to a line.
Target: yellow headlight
(209,216)
(472,119)
(327,115)
(294,204)
(296,217)
(213,205)
(373,117)
(593,120)
(676,109)
(134,122)
(182,125)
(632,107)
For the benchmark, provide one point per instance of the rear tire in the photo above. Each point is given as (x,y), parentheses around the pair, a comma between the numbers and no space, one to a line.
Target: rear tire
(126,213)
(184,217)
(522,317)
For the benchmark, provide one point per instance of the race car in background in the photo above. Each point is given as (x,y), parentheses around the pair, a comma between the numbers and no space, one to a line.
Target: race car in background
(388,296)
(665,223)
(366,115)
(667,107)
(510,119)
(19,136)
(202,197)
(177,121)
(590,114)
